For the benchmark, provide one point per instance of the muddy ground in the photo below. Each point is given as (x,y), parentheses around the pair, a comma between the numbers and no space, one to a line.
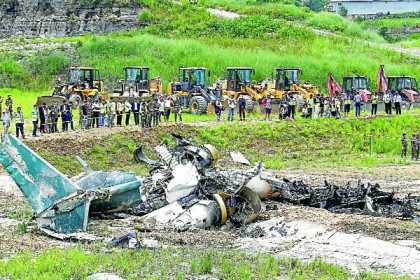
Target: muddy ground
(312,224)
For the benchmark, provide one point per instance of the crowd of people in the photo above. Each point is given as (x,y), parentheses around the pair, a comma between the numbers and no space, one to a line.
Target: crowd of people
(415,146)
(118,111)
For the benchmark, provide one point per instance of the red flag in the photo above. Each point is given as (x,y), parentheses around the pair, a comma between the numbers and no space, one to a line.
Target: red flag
(333,86)
(382,84)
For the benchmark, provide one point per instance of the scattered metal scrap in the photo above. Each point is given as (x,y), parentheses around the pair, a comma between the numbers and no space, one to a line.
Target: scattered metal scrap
(184,190)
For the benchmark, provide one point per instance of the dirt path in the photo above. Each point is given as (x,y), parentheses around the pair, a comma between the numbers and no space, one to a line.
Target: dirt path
(223,13)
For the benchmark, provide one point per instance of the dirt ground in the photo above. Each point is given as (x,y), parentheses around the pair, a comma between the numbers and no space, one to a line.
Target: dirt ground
(402,180)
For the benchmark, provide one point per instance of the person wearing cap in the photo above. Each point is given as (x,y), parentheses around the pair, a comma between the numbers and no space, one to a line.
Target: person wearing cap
(135,108)
(231,104)
(242,107)
(19,122)
(268,106)
(64,109)
(292,105)
(404,145)
(35,116)
(177,110)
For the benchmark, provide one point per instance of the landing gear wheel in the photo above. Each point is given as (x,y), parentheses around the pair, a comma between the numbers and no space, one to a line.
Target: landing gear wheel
(198,105)
(76,99)
(249,104)
(299,102)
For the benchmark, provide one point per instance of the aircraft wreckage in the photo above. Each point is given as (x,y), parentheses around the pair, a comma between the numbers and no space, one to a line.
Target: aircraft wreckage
(184,190)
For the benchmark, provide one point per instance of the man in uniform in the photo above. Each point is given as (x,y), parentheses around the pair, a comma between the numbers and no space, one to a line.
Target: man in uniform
(310,105)
(9,104)
(413,146)
(218,108)
(150,113)
(19,122)
(404,145)
(177,108)
(70,114)
(84,114)
(231,104)
(42,117)
(96,111)
(417,146)
(119,110)
(143,113)
(111,112)
(156,112)
(54,116)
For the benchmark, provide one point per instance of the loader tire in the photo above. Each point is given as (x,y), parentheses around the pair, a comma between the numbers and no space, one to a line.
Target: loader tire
(300,102)
(77,100)
(406,105)
(249,104)
(198,105)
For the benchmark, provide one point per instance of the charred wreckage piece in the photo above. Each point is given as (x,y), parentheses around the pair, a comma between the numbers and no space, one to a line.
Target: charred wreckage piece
(184,190)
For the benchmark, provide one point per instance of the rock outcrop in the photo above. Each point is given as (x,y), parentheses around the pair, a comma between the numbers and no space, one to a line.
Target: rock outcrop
(60,18)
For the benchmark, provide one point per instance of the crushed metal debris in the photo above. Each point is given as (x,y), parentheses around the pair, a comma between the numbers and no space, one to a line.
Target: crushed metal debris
(184,190)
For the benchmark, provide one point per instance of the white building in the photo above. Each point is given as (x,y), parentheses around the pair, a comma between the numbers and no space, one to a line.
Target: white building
(370,7)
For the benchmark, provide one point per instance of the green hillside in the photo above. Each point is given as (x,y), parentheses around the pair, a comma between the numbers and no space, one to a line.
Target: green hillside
(268,36)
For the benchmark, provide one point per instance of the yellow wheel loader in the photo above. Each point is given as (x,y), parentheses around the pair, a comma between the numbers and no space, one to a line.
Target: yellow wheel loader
(286,83)
(82,82)
(137,83)
(237,81)
(193,91)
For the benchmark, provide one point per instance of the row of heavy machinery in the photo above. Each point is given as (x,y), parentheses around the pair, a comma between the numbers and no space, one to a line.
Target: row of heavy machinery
(195,93)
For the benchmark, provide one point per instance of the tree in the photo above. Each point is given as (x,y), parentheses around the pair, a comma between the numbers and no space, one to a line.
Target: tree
(316,5)
(342,11)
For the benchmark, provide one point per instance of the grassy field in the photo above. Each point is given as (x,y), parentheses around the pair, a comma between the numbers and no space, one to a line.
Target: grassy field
(390,23)
(169,263)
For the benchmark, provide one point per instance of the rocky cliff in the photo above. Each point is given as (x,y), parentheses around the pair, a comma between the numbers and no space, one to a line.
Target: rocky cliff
(59,18)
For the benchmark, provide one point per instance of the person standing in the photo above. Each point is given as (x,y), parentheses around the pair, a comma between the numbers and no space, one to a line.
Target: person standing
(135,108)
(102,113)
(317,104)
(70,115)
(96,112)
(310,105)
(84,114)
(155,115)
(413,146)
(111,112)
(1,106)
(161,109)
(231,104)
(338,108)
(268,105)
(19,122)
(143,113)
(357,103)
(218,108)
(374,104)
(404,145)
(119,111)
(168,104)
(347,105)
(397,103)
(54,114)
(242,107)
(42,117)
(387,102)
(417,146)
(127,111)
(292,106)
(150,113)
(35,116)
(177,108)
(6,121)
(64,109)
(9,104)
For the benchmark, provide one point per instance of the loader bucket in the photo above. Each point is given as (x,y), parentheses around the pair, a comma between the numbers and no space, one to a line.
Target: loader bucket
(210,109)
(47,99)
(257,107)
